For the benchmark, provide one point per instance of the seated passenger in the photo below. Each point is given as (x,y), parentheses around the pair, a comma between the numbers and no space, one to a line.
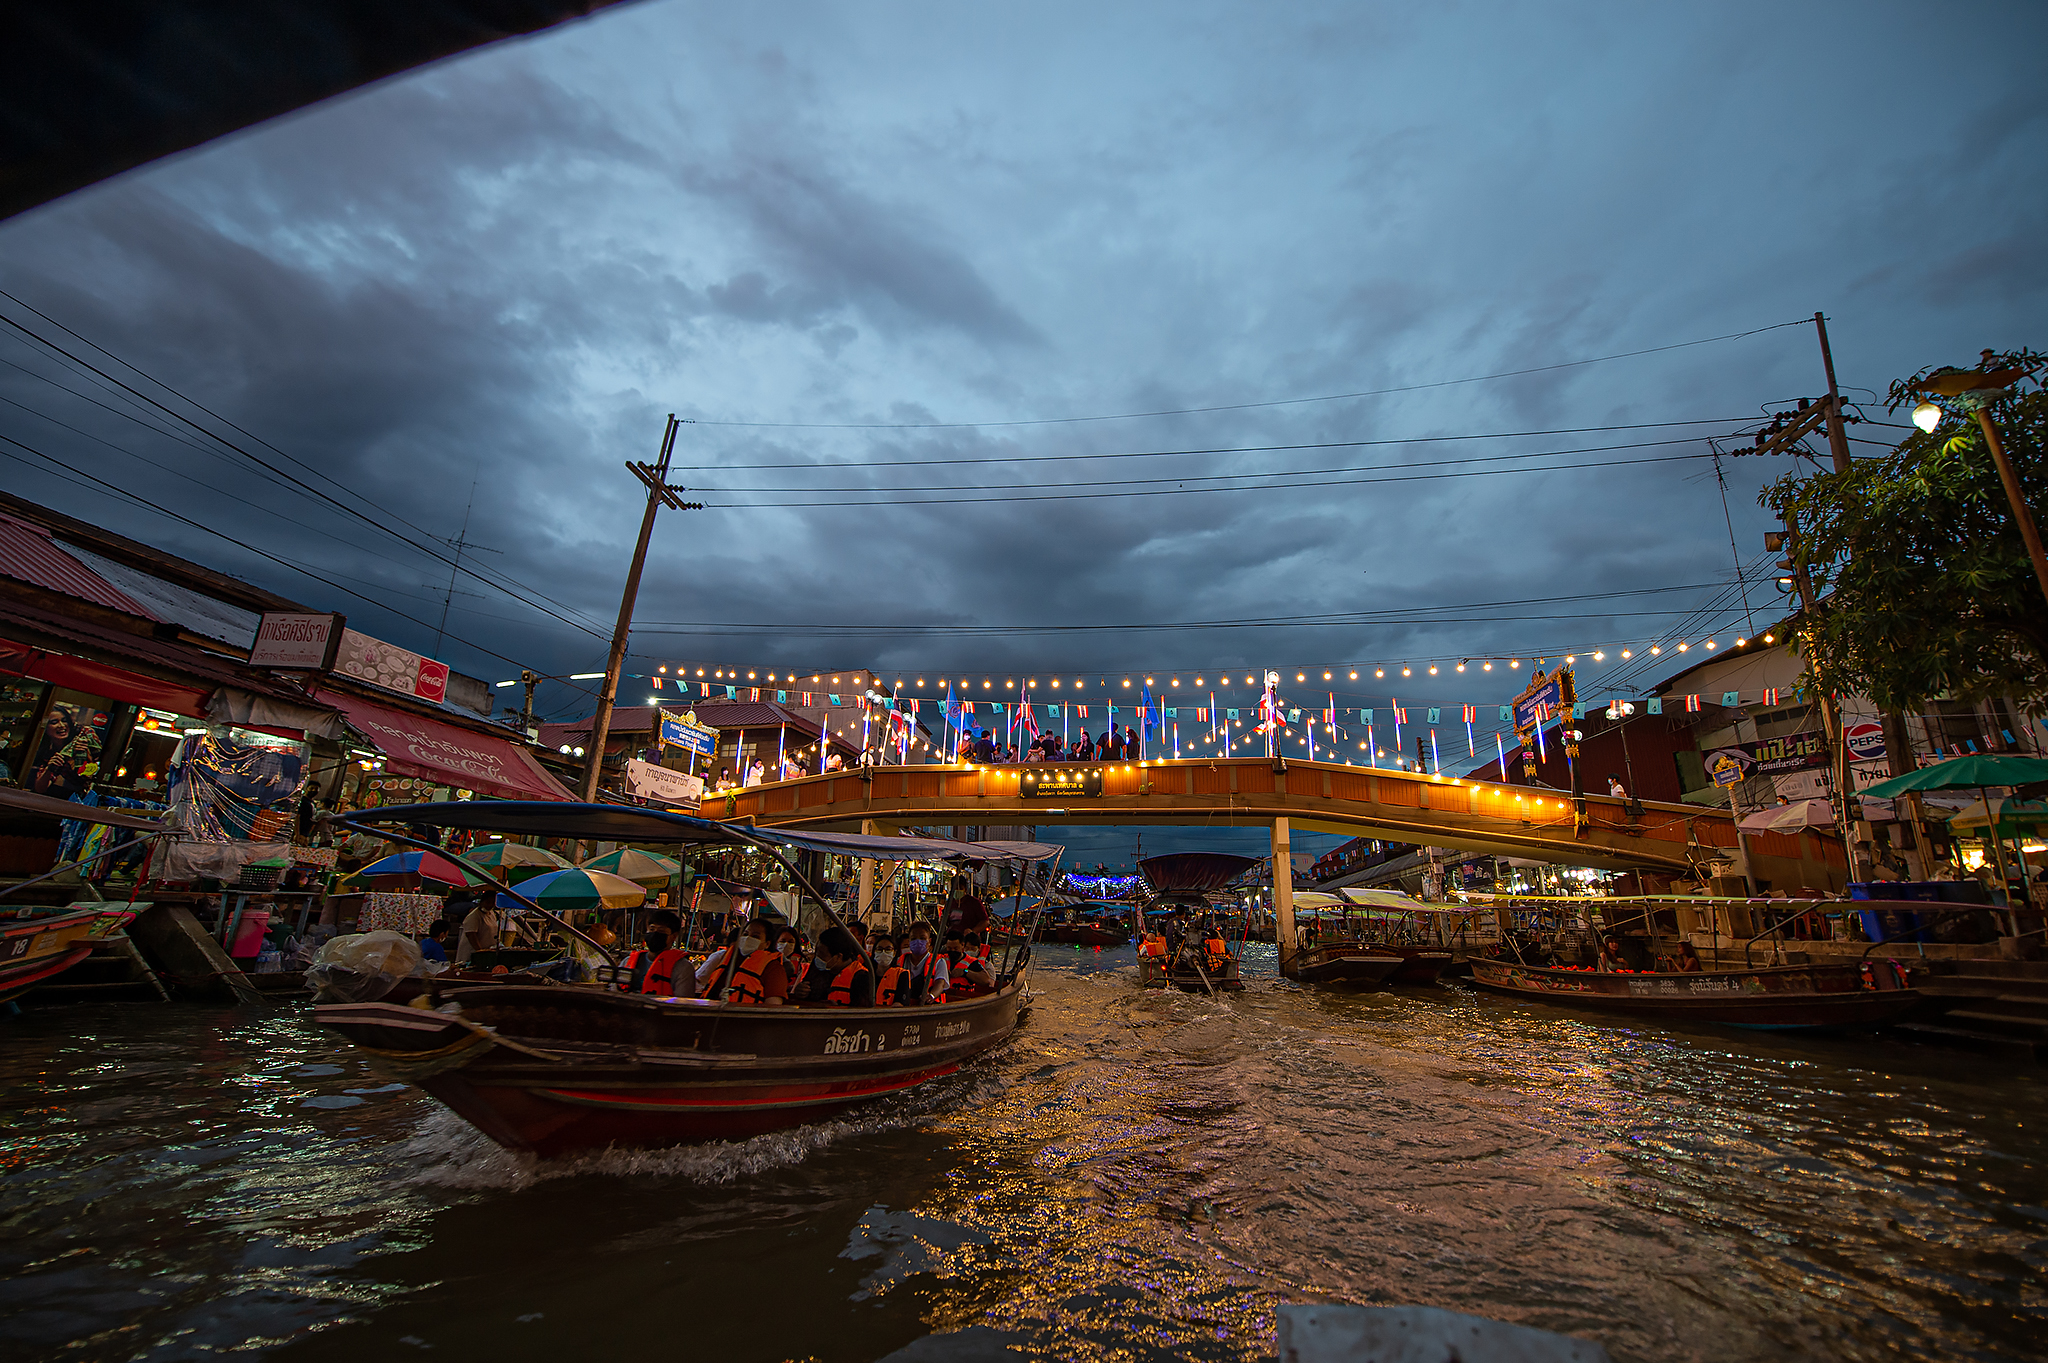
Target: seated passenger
(758,978)
(968,966)
(889,989)
(1688,959)
(1611,959)
(660,967)
(851,985)
(929,976)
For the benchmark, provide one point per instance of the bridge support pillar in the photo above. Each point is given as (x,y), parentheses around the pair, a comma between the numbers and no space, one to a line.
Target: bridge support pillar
(1283,891)
(867,875)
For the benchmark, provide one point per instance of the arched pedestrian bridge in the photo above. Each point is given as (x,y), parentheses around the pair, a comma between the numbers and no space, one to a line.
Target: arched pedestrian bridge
(1251,792)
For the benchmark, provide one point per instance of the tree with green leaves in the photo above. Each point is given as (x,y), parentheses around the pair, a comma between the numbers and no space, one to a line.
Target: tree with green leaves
(1924,588)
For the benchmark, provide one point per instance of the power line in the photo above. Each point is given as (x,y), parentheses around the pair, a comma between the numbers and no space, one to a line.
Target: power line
(240,544)
(1219,449)
(1390,615)
(540,604)
(1198,491)
(1213,477)
(1246,406)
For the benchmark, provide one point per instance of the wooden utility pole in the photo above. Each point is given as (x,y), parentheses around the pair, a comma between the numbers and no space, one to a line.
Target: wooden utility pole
(659,494)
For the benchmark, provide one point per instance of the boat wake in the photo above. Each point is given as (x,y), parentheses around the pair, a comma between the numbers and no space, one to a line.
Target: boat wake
(447,1152)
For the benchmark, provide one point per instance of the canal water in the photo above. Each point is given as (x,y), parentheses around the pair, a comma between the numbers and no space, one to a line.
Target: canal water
(1138,1176)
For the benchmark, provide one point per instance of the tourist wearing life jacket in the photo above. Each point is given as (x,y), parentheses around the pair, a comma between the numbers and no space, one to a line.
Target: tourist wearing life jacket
(852,984)
(967,962)
(929,977)
(759,977)
(891,987)
(659,967)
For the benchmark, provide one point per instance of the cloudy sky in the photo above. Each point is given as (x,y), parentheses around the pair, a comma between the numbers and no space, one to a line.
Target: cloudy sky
(943,290)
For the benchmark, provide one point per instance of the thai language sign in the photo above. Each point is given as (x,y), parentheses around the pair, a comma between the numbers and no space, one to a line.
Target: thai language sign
(674,788)
(1779,756)
(294,641)
(685,732)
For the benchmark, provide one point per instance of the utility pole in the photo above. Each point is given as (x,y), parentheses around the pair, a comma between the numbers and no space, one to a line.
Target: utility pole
(529,679)
(659,494)
(1830,720)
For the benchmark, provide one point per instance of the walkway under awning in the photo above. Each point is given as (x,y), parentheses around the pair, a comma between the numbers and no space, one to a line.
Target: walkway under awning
(414,745)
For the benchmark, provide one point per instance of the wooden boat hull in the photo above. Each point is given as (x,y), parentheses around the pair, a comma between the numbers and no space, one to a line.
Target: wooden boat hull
(1154,974)
(1084,936)
(1359,967)
(1787,997)
(554,1069)
(38,946)
(1419,965)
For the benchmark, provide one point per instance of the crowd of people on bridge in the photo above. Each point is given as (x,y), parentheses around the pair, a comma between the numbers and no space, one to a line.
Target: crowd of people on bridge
(1112,746)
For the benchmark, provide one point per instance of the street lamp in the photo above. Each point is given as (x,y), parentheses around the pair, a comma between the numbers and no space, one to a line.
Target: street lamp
(1975,390)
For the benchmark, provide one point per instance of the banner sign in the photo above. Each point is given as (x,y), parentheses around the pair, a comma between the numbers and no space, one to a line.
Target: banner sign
(685,732)
(1766,757)
(294,641)
(1539,704)
(1053,782)
(391,667)
(674,788)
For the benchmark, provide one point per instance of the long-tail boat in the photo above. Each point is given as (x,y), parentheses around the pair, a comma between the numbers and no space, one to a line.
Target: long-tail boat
(40,942)
(554,1068)
(1173,954)
(1850,994)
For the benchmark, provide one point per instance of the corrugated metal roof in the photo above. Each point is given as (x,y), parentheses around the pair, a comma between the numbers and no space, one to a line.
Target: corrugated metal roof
(198,613)
(28,554)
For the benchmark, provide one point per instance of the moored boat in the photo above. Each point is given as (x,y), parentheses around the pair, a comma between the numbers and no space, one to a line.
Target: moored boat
(553,1068)
(39,943)
(1352,963)
(1786,996)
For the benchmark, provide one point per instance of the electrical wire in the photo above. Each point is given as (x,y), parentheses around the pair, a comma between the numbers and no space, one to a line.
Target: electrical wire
(1219,449)
(1245,406)
(379,522)
(1198,491)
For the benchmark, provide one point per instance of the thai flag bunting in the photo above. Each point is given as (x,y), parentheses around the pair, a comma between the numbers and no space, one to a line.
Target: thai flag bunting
(657,683)
(1770,695)
(1081,710)
(1471,713)
(1692,703)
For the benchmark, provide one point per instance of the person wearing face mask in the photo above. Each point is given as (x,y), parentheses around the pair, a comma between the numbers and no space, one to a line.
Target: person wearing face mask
(759,977)
(851,984)
(660,967)
(926,968)
(890,989)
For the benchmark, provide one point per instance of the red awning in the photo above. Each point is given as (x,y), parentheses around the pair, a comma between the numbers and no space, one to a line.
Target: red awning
(414,745)
(97,679)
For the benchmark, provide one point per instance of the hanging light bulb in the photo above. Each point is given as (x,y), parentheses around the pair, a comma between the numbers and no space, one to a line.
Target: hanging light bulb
(1432,669)
(1628,653)
(1461,667)
(1486,667)
(1354,676)
(1379,671)
(1655,649)
(1927,416)
(1599,657)
(1406,672)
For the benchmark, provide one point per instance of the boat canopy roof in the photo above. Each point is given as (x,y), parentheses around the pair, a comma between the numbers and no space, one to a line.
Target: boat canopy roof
(631,823)
(1193,872)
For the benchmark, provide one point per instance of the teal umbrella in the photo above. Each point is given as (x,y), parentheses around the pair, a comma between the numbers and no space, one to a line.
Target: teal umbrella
(1975,772)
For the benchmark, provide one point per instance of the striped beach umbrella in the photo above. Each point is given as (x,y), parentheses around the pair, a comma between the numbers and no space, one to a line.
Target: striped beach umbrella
(651,869)
(578,888)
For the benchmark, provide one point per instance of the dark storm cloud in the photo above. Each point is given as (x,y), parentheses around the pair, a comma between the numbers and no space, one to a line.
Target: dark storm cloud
(504,271)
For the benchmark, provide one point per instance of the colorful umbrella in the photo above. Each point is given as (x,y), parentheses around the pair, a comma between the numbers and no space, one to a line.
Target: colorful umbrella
(2011,815)
(425,865)
(578,888)
(515,861)
(1964,773)
(642,868)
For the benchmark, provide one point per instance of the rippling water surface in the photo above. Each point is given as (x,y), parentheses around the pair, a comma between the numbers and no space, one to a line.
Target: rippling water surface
(1136,1176)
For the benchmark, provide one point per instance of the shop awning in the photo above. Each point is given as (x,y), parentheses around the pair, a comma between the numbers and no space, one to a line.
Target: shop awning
(414,745)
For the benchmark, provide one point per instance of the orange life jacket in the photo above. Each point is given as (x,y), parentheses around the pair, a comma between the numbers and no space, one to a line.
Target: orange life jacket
(840,995)
(661,972)
(749,981)
(1152,946)
(889,989)
(1215,947)
(926,970)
